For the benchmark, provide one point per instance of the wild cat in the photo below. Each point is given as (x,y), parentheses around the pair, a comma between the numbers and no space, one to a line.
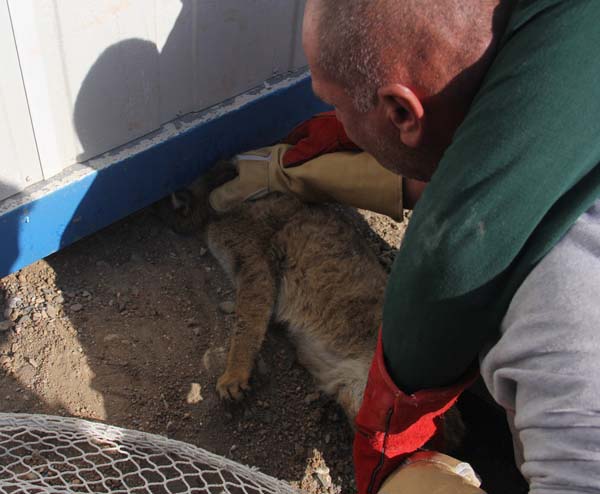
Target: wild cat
(298,264)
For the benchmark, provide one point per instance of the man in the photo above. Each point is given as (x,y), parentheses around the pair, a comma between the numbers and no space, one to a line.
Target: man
(494,103)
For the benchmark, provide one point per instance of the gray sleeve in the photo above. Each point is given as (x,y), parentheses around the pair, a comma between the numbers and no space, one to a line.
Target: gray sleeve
(545,369)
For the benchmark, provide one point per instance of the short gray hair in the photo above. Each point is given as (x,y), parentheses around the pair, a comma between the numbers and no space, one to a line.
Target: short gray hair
(361,41)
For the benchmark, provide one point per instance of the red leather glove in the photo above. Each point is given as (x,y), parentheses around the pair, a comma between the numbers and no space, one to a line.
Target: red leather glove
(319,135)
(391,425)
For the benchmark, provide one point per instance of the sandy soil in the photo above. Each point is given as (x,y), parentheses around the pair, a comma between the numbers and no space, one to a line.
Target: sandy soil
(130,326)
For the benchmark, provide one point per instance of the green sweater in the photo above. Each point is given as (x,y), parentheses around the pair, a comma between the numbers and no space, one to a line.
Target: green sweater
(522,168)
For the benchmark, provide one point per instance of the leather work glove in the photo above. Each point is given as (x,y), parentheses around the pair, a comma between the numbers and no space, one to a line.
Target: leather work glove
(317,163)
(391,425)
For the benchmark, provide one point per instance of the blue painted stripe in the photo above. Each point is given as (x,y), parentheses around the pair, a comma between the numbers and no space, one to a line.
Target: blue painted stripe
(67,214)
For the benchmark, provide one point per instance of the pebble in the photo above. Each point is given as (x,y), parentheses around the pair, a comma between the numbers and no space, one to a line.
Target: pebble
(311,398)
(23,320)
(203,251)
(13,302)
(194,395)
(51,311)
(325,480)
(76,307)
(59,299)
(6,325)
(227,307)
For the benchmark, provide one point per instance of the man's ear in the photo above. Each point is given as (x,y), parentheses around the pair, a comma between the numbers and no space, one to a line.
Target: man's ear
(404,109)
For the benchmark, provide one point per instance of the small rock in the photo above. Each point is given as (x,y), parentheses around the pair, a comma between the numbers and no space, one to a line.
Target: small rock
(6,325)
(86,294)
(136,257)
(227,307)
(59,299)
(196,330)
(51,311)
(325,480)
(36,316)
(24,320)
(194,395)
(203,251)
(327,438)
(13,302)
(311,398)
(76,307)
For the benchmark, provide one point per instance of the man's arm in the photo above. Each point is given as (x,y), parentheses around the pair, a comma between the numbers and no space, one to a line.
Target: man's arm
(545,369)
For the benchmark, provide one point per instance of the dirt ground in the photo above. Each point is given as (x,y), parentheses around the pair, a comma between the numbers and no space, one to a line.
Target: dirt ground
(130,327)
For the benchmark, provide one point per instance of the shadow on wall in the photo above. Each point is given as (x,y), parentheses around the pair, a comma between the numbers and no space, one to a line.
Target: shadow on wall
(111,104)
(121,74)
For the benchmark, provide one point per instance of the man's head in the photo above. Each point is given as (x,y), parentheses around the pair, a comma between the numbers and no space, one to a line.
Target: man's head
(401,73)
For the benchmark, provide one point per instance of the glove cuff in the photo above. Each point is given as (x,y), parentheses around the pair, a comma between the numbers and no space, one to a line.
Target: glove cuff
(390,424)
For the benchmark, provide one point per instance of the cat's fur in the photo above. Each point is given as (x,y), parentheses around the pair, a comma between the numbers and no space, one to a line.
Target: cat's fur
(300,265)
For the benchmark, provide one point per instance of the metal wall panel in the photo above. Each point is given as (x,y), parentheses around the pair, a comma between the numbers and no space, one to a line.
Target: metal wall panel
(100,73)
(19,165)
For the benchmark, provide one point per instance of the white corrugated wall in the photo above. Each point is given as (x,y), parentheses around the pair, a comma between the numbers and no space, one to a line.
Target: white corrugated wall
(81,77)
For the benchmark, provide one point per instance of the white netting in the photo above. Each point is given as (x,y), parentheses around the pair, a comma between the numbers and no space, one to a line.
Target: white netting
(46,454)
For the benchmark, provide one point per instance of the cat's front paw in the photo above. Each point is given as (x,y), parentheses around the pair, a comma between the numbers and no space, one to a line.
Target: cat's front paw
(232,384)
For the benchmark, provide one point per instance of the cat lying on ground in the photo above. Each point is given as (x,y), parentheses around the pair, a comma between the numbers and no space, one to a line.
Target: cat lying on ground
(300,265)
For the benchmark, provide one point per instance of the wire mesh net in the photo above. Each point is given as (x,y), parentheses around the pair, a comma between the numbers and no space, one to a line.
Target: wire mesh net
(39,453)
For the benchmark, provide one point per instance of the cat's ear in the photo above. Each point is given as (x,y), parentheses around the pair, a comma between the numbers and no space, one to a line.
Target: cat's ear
(183,202)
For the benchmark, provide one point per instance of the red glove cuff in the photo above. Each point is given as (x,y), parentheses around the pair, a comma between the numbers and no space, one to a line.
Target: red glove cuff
(391,425)
(319,135)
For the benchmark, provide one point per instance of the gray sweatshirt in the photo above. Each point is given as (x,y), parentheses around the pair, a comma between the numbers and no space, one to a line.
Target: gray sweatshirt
(545,368)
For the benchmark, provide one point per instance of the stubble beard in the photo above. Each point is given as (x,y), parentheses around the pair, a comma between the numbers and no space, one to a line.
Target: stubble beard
(409,162)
